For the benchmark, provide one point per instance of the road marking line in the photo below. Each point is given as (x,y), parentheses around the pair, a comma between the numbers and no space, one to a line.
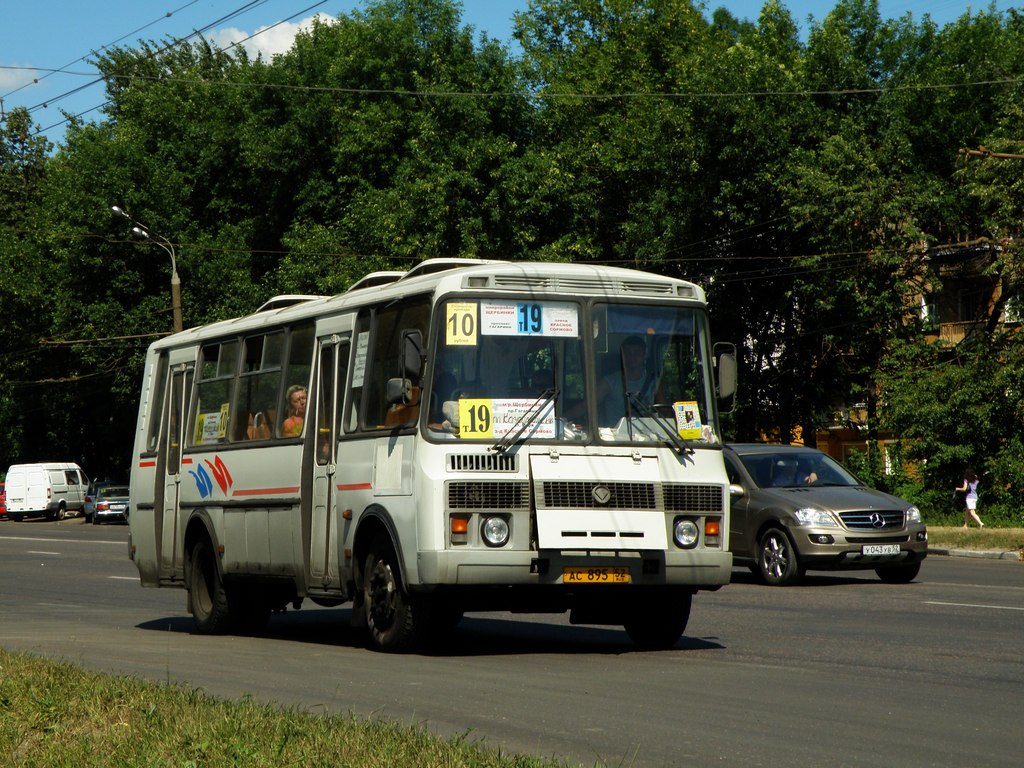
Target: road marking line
(975,605)
(37,552)
(124,578)
(61,541)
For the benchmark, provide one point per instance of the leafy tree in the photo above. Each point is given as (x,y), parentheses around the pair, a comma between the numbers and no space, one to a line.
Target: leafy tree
(24,294)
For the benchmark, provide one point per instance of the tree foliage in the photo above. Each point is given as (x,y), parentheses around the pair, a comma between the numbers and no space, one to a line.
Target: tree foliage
(800,180)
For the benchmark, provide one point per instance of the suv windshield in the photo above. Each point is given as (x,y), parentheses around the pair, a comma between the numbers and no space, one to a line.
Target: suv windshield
(791,469)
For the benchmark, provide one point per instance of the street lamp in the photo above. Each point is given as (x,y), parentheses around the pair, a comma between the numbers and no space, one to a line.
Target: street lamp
(143,232)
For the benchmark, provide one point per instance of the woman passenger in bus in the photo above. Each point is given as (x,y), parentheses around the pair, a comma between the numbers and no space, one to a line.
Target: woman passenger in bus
(292,426)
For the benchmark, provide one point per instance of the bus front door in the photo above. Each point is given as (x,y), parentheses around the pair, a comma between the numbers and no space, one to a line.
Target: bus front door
(323,545)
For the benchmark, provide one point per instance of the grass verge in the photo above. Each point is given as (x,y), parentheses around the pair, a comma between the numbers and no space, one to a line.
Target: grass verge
(958,537)
(55,714)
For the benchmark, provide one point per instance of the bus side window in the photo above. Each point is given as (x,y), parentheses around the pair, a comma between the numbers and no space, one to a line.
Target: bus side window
(156,394)
(298,368)
(259,386)
(387,351)
(213,410)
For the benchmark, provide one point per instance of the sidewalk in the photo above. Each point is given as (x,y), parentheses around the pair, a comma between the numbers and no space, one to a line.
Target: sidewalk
(989,554)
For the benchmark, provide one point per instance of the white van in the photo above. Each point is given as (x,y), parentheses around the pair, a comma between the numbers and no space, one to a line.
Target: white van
(53,489)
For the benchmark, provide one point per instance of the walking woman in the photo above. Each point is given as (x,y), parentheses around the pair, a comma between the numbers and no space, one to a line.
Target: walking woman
(970,488)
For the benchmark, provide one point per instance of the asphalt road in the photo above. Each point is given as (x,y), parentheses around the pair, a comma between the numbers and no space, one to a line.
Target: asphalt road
(841,671)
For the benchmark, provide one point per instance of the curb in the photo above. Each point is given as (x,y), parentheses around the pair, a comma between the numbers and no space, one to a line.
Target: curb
(987,554)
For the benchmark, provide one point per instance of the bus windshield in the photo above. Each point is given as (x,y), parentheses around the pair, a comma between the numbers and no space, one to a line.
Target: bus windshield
(506,370)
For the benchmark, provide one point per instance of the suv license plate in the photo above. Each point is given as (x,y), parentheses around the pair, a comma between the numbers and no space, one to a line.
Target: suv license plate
(880,549)
(607,575)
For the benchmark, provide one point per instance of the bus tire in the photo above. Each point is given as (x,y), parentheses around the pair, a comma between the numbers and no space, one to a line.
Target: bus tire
(390,618)
(657,624)
(209,599)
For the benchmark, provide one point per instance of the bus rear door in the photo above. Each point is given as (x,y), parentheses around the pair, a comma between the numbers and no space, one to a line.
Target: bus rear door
(171,562)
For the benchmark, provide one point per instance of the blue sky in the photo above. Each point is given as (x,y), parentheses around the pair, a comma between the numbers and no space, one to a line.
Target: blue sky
(43,42)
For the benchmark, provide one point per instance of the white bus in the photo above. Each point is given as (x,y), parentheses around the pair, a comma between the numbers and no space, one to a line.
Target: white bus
(477,436)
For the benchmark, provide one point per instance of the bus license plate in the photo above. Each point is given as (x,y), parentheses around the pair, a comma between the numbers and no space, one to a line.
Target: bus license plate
(607,575)
(880,549)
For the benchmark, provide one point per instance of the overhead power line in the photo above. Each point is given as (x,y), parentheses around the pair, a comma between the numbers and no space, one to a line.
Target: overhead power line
(177,41)
(986,152)
(590,96)
(63,69)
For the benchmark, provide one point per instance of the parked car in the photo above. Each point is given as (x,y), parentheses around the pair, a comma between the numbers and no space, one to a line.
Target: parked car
(53,489)
(90,498)
(3,501)
(796,509)
(110,504)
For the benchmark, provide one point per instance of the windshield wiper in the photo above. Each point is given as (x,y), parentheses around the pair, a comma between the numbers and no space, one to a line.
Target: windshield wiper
(680,444)
(528,419)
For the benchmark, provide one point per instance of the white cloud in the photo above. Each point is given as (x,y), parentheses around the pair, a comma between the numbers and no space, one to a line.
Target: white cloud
(268,40)
(14,78)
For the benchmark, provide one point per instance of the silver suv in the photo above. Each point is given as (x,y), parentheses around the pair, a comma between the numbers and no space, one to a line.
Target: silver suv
(796,509)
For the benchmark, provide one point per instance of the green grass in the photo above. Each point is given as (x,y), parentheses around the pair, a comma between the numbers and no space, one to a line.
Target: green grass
(55,714)
(989,537)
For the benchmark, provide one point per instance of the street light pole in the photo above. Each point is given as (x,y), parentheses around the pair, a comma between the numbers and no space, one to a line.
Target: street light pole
(143,232)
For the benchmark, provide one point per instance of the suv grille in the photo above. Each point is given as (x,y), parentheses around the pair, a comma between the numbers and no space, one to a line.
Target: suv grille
(872,521)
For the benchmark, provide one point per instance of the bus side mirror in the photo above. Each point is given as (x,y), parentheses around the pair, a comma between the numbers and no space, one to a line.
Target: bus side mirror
(398,391)
(412,354)
(726,375)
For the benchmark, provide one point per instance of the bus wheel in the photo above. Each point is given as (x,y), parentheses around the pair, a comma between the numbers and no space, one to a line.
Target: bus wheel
(208,598)
(657,624)
(389,614)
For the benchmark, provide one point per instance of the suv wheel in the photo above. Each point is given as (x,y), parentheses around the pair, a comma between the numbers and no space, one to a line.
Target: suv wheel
(777,560)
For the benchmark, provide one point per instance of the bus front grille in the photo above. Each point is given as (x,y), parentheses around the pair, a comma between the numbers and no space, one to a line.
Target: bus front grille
(559,494)
(470,495)
(482,462)
(681,497)
(671,497)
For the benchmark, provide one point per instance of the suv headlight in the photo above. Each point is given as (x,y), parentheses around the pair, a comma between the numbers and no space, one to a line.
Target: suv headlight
(913,515)
(818,518)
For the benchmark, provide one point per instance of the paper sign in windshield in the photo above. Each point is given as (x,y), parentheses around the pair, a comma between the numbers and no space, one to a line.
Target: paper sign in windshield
(507,318)
(493,418)
(687,419)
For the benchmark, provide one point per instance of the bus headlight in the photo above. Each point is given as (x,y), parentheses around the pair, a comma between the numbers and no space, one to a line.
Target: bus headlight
(685,533)
(495,531)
